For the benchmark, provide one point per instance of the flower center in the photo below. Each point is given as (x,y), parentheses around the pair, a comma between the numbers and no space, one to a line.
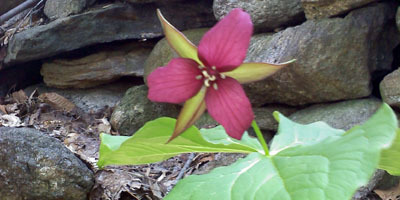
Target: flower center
(210,76)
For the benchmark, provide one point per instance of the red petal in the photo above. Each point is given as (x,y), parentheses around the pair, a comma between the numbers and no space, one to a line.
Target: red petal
(174,83)
(225,45)
(230,107)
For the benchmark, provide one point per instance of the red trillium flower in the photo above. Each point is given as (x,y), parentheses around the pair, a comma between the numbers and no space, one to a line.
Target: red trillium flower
(209,77)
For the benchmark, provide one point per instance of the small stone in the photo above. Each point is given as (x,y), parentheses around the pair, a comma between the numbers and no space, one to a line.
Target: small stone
(36,166)
(390,89)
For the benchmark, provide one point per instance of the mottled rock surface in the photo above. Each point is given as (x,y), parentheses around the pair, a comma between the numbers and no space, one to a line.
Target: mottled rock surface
(55,9)
(265,119)
(316,9)
(334,58)
(92,100)
(97,68)
(105,24)
(36,166)
(265,14)
(135,109)
(390,89)
(341,115)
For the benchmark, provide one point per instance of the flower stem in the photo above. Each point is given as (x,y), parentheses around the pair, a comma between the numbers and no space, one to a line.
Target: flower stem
(260,137)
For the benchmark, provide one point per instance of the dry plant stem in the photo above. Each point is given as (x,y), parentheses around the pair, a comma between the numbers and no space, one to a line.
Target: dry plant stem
(188,161)
(260,137)
(16,10)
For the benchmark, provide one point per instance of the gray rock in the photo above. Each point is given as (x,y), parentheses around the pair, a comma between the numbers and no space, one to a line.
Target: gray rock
(341,115)
(220,160)
(334,58)
(390,89)
(55,9)
(265,14)
(162,53)
(93,100)
(36,166)
(106,24)
(103,66)
(362,192)
(135,110)
(316,9)
(398,18)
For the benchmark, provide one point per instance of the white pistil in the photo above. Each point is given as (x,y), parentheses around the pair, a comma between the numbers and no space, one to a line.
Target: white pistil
(215,86)
(207,83)
(198,77)
(222,76)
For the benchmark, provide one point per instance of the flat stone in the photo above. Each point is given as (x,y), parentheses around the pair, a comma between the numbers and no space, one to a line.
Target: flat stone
(390,89)
(334,58)
(36,166)
(105,24)
(103,66)
(342,115)
(135,109)
(316,9)
(265,119)
(265,14)
(91,100)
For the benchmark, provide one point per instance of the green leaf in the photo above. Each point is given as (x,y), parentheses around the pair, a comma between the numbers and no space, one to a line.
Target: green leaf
(330,166)
(390,157)
(148,145)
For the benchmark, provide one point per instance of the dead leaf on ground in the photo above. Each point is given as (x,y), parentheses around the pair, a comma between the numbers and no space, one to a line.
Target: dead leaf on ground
(57,101)
(390,194)
(19,97)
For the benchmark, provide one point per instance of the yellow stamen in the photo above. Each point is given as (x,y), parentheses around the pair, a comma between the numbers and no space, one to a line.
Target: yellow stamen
(198,77)
(212,78)
(205,74)
(213,68)
(201,67)
(222,76)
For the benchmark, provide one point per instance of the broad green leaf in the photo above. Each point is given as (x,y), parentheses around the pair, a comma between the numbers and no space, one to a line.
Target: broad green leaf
(332,167)
(390,158)
(292,134)
(251,72)
(183,46)
(148,145)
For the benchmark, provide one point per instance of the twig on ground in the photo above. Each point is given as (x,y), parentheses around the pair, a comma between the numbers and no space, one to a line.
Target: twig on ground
(11,13)
(188,162)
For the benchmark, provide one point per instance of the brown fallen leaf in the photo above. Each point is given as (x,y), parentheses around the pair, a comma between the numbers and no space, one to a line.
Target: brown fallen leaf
(57,101)
(3,109)
(19,97)
(390,194)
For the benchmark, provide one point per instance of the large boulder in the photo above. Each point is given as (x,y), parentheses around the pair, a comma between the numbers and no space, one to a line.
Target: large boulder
(334,58)
(265,14)
(316,9)
(36,166)
(103,66)
(105,24)
(390,89)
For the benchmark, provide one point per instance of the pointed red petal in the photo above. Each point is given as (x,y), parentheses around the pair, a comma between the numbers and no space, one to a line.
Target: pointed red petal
(230,107)
(225,45)
(174,83)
